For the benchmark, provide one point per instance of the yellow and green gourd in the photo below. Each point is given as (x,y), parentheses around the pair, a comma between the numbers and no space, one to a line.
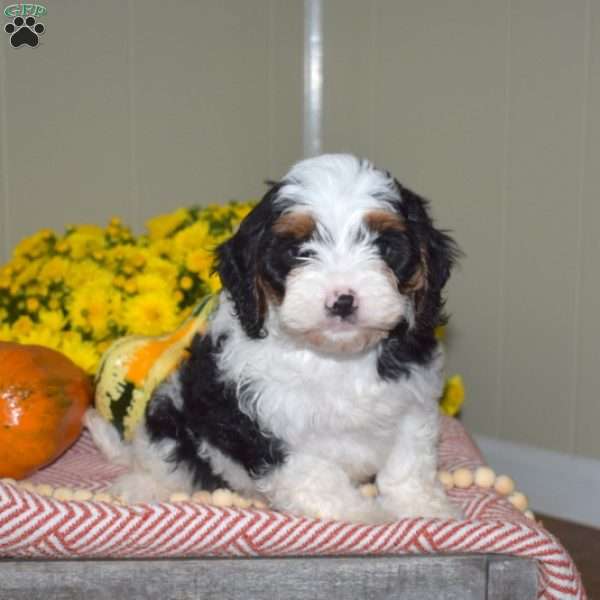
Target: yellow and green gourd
(135,365)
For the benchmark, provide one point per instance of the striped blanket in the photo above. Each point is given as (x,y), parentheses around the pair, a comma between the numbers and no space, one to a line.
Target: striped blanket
(33,525)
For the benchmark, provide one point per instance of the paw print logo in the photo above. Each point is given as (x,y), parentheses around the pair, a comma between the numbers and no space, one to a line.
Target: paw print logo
(24,31)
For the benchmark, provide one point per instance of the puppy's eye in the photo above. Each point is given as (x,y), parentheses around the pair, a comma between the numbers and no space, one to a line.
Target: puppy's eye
(394,250)
(297,252)
(385,248)
(305,253)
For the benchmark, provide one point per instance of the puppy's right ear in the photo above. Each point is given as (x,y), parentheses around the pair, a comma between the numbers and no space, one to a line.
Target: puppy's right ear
(238,265)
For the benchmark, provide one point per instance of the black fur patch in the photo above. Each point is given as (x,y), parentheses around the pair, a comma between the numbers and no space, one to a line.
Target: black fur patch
(421,246)
(237,261)
(255,261)
(210,413)
(165,422)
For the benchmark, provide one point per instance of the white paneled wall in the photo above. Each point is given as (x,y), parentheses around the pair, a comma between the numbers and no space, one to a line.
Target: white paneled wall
(135,108)
(490,108)
(541,258)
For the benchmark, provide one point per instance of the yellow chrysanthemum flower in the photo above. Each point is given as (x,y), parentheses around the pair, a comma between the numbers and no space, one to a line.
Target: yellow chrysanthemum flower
(34,245)
(16,266)
(37,288)
(166,270)
(53,319)
(41,335)
(119,254)
(140,259)
(85,241)
(150,282)
(163,225)
(453,396)
(214,283)
(90,309)
(218,211)
(88,230)
(22,326)
(241,210)
(28,275)
(186,283)
(54,303)
(191,238)
(199,261)
(6,334)
(32,304)
(80,352)
(130,287)
(62,247)
(162,248)
(152,313)
(82,273)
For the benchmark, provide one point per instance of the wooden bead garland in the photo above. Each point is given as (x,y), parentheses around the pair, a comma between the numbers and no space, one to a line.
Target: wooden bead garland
(222,497)
(504,485)
(463,478)
(483,477)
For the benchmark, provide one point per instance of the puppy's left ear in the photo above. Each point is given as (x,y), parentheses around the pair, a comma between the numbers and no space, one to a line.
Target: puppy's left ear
(238,265)
(439,251)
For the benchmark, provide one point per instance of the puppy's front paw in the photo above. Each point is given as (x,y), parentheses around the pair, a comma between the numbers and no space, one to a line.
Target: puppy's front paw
(138,486)
(367,513)
(441,508)
(426,502)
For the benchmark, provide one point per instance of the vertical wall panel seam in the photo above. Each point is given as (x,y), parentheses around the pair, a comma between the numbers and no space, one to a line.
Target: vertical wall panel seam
(4,230)
(373,60)
(577,288)
(134,188)
(270,90)
(499,404)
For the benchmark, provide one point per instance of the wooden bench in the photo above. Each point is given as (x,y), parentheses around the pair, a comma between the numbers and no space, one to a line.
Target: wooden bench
(435,577)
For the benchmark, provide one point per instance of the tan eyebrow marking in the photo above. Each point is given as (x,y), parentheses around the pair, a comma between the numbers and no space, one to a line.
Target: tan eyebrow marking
(382,220)
(297,225)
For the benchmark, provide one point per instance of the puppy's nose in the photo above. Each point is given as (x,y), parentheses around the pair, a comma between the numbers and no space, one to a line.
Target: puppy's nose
(343,306)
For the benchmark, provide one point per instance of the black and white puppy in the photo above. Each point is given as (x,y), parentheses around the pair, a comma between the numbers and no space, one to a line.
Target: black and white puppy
(320,368)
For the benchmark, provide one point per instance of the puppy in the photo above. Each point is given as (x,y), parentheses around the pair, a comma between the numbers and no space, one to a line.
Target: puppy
(320,369)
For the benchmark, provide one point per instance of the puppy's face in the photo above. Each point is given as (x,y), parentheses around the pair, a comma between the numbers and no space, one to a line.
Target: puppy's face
(341,291)
(339,254)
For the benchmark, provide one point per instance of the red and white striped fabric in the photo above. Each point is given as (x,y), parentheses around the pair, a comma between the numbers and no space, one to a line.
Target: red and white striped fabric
(32,525)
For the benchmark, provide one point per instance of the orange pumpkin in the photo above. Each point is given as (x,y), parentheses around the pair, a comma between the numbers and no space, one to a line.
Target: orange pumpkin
(43,397)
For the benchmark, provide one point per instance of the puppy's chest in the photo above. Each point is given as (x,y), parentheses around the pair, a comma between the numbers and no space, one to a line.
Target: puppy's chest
(307,398)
